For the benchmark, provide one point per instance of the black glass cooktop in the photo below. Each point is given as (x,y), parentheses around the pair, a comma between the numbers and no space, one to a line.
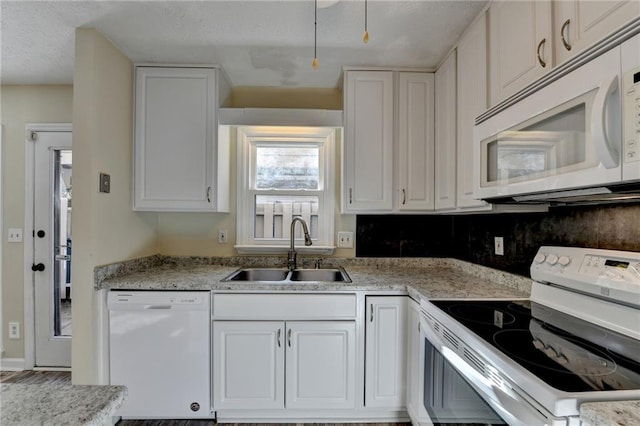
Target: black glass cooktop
(567,353)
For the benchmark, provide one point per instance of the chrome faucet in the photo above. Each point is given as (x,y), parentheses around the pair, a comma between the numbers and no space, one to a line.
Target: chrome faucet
(292,256)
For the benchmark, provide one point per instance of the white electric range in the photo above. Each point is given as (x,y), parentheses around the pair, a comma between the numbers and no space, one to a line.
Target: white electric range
(575,340)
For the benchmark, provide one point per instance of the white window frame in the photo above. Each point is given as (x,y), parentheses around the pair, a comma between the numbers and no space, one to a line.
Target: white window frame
(249,137)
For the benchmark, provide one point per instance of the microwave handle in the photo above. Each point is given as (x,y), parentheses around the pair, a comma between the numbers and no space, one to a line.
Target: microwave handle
(600,134)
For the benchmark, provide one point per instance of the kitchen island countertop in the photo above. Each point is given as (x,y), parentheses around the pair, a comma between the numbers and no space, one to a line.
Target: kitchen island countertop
(62,404)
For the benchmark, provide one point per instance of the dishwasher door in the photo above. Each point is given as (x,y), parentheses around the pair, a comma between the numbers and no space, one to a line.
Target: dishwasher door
(159,349)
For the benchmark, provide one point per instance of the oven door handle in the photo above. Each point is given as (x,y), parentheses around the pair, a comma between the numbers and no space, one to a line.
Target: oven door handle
(506,401)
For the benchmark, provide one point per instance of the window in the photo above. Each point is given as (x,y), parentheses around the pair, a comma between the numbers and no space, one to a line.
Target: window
(284,172)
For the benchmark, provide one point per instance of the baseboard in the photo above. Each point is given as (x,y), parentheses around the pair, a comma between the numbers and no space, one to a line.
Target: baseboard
(12,364)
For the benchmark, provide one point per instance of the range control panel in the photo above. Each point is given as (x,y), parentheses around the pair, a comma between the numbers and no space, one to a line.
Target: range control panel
(606,273)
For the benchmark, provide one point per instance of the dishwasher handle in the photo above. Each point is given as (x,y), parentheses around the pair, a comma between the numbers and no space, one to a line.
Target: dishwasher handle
(157,306)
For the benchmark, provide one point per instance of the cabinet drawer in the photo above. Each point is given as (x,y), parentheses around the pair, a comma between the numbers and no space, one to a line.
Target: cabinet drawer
(284,306)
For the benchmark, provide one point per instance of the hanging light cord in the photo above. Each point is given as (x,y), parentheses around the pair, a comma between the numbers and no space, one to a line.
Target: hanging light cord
(314,64)
(365,36)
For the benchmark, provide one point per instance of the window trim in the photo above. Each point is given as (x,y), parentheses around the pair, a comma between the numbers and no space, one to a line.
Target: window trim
(249,136)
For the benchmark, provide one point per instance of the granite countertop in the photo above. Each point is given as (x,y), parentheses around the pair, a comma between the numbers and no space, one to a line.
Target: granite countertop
(38,404)
(610,413)
(421,278)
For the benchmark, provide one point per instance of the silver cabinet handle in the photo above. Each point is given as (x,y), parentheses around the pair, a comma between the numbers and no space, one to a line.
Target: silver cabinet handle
(404,197)
(208,194)
(350,196)
(562,37)
(371,312)
(278,336)
(289,337)
(419,327)
(542,62)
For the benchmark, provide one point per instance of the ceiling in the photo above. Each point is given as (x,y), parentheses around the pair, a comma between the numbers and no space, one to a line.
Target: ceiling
(258,43)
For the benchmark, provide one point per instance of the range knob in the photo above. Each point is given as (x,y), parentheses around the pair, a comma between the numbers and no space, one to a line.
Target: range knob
(540,257)
(552,259)
(564,260)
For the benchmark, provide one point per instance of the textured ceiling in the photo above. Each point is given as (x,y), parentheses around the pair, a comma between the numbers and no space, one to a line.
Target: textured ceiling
(258,43)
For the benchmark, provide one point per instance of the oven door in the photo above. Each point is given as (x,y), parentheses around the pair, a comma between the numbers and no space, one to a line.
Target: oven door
(567,135)
(455,391)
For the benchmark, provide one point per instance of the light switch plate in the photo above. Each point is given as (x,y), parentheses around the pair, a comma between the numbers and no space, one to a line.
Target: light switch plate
(345,239)
(14,235)
(498,243)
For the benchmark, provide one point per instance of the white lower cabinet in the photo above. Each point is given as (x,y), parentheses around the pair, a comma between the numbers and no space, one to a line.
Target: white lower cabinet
(248,364)
(385,364)
(252,361)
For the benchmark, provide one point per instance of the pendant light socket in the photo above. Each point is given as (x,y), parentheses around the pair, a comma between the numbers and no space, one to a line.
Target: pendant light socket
(365,37)
(315,63)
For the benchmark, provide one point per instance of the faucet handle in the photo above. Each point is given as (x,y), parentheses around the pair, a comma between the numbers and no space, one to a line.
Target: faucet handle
(318,262)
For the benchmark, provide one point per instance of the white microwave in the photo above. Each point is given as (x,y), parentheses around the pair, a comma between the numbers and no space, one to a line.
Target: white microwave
(580,131)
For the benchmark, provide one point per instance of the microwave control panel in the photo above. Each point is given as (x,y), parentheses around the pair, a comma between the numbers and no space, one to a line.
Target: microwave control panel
(631,93)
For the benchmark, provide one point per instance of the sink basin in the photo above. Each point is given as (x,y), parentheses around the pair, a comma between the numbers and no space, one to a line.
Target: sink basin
(331,275)
(282,276)
(258,274)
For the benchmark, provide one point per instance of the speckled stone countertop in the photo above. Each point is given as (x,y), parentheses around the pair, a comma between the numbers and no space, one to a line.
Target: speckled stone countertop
(39,404)
(421,278)
(610,413)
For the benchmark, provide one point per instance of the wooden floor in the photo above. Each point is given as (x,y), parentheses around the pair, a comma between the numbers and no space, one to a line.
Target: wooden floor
(64,377)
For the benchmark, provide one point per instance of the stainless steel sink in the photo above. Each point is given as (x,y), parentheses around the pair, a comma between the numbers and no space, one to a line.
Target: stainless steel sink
(258,274)
(330,275)
(282,276)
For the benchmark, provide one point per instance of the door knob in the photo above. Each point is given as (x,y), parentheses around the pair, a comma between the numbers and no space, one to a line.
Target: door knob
(38,267)
(41,234)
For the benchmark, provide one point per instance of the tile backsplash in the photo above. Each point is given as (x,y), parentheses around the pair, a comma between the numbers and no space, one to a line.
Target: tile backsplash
(470,237)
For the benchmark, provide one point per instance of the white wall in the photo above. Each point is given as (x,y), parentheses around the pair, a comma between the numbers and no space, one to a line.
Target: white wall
(105,228)
(21,105)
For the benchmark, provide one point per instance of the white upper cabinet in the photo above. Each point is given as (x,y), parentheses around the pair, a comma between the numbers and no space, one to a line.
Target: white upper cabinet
(445,128)
(368,147)
(580,23)
(472,101)
(176,147)
(415,141)
(372,169)
(521,45)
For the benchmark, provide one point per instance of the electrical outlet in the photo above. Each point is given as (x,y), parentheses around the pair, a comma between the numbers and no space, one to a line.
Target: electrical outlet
(222,236)
(14,330)
(345,239)
(498,243)
(14,235)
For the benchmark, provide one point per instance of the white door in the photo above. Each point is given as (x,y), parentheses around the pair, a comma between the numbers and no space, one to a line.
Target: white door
(248,364)
(52,248)
(320,367)
(385,348)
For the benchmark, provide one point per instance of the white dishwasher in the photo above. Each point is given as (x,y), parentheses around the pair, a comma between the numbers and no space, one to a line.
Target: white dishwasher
(159,349)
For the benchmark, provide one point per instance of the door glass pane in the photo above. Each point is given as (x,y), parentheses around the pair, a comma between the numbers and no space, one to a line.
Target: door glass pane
(280,167)
(62,243)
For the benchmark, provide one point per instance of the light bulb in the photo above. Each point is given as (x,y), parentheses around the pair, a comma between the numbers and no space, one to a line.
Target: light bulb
(365,37)
(314,64)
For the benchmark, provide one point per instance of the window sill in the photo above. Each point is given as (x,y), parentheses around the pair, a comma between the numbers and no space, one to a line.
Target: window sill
(302,249)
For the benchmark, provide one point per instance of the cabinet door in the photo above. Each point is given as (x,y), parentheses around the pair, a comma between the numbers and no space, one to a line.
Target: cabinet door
(520,43)
(580,23)
(175,118)
(385,366)
(368,146)
(445,164)
(472,101)
(415,141)
(320,372)
(248,364)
